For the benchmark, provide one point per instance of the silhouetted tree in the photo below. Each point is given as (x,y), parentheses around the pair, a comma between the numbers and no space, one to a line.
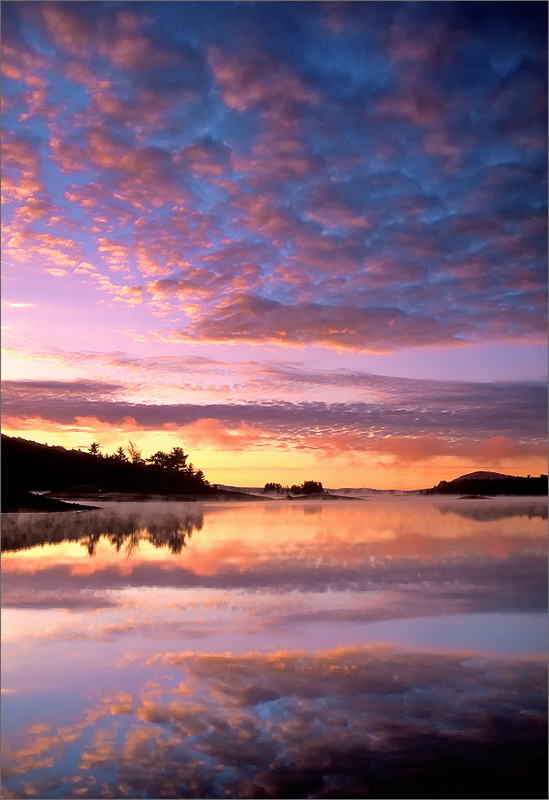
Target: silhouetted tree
(120,455)
(308,487)
(159,459)
(178,459)
(199,476)
(94,449)
(312,487)
(271,488)
(135,453)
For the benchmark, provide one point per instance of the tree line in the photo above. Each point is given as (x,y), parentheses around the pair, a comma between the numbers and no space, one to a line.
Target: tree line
(30,465)
(175,460)
(307,487)
(513,485)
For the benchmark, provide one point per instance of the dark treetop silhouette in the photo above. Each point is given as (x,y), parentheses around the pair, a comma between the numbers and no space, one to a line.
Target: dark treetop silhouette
(29,465)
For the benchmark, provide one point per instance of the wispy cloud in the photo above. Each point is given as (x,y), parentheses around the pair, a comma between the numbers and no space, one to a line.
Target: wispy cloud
(446,416)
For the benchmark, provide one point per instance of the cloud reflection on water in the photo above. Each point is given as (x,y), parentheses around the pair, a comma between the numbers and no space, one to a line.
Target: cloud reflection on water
(350,722)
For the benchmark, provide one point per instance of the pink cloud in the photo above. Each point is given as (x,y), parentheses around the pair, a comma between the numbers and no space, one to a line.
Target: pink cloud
(21,156)
(145,111)
(438,143)
(279,165)
(34,208)
(335,19)
(205,157)
(132,51)
(116,254)
(162,245)
(58,273)
(499,448)
(256,80)
(494,450)
(259,213)
(415,46)
(96,200)
(416,107)
(207,283)
(123,45)
(212,433)
(334,214)
(82,73)
(413,448)
(236,252)
(193,287)
(69,156)
(18,152)
(146,190)
(279,152)
(57,250)
(245,318)
(146,174)
(420,240)
(66,28)
(130,295)
(21,63)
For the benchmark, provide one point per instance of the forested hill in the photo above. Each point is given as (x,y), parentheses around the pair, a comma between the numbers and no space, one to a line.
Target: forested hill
(29,465)
(492,484)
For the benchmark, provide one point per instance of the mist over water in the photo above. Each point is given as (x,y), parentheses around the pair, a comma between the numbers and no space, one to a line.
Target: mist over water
(392,647)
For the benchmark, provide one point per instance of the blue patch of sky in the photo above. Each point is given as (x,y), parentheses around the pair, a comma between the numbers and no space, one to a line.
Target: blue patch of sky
(11,89)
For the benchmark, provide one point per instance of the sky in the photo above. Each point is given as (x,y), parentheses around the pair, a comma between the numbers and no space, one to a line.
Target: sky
(304,241)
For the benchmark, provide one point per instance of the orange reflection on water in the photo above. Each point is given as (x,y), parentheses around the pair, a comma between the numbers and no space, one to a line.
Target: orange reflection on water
(246,538)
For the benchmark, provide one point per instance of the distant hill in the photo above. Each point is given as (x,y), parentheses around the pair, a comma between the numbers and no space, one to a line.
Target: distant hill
(30,465)
(483,476)
(491,483)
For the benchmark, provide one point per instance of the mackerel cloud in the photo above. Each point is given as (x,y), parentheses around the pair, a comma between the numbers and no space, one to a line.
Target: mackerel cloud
(361,176)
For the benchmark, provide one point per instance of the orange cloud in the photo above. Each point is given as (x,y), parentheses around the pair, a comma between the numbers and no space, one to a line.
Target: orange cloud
(211,433)
(21,157)
(55,249)
(494,450)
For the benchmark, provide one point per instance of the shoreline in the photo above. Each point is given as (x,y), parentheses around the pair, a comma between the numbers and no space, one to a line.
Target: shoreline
(27,502)
(63,501)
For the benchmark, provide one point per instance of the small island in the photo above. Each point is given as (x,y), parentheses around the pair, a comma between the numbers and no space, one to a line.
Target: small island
(307,488)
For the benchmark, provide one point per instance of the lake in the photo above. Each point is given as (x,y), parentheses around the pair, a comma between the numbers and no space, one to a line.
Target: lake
(392,647)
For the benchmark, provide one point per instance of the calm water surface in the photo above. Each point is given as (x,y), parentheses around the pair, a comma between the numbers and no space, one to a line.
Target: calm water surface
(379,648)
